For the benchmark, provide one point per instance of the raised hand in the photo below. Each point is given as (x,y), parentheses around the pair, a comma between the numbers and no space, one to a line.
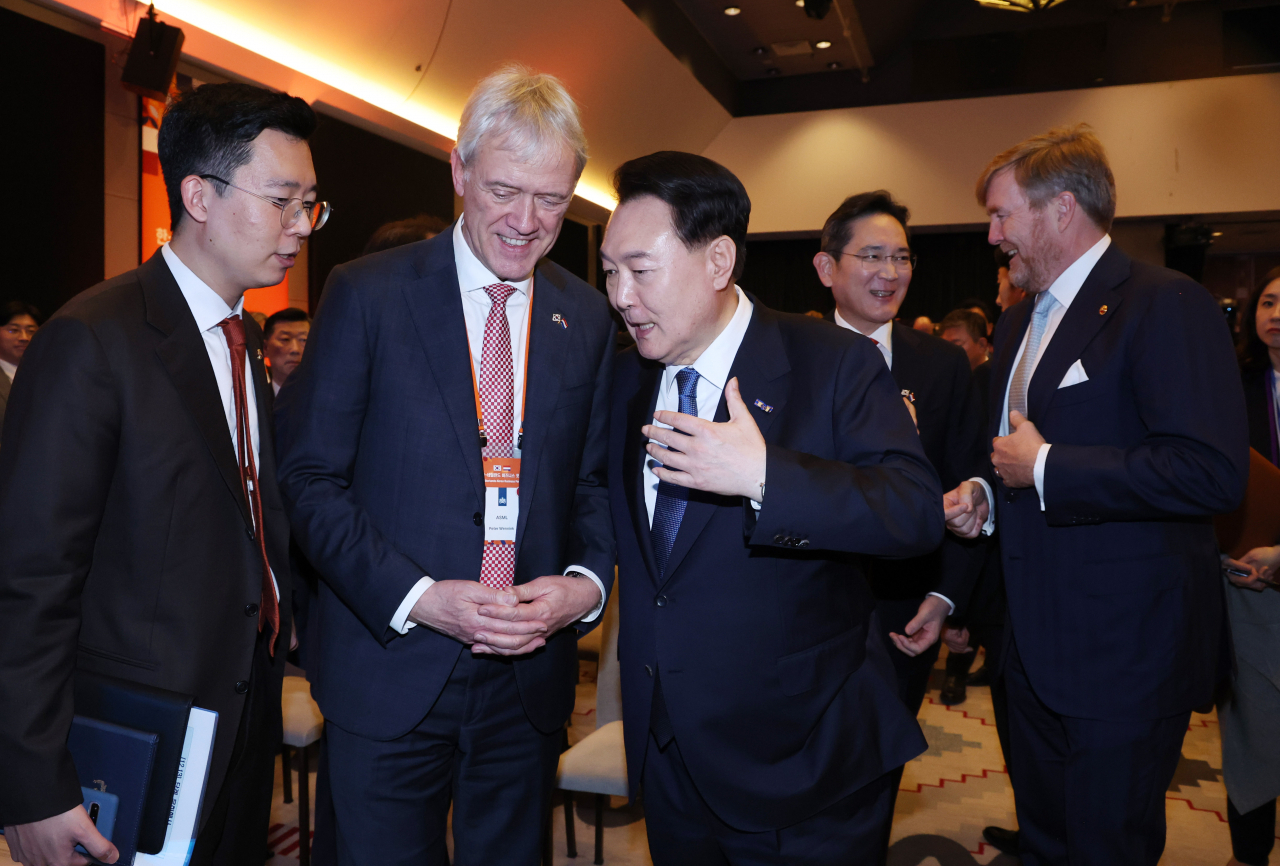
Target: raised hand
(966,509)
(727,458)
(1015,455)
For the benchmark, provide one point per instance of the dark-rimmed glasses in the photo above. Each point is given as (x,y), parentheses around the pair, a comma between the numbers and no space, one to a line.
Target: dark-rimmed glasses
(291,209)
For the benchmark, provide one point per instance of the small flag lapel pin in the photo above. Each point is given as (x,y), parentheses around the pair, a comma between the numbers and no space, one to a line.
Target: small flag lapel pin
(561,321)
(760,404)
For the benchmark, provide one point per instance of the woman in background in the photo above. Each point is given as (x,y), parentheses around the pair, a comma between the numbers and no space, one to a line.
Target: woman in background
(1250,715)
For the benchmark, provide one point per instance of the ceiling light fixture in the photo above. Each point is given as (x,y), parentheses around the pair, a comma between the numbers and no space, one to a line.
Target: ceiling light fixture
(823,44)
(732,10)
(834,64)
(800,3)
(205,16)
(1020,5)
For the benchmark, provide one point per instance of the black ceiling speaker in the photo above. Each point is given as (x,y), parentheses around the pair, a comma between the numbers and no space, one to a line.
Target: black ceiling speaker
(153,57)
(817,8)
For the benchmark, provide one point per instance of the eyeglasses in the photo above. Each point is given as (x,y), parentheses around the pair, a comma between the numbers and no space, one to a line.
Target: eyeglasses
(873,262)
(291,209)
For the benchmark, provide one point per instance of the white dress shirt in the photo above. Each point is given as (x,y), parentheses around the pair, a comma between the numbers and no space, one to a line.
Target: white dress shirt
(712,367)
(209,309)
(1064,291)
(8,369)
(883,337)
(473,277)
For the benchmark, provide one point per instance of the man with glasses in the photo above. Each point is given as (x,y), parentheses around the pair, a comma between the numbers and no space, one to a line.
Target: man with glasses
(142,529)
(21,321)
(866,261)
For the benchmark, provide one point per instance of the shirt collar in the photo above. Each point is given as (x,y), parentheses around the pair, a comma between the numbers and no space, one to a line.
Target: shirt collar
(882,335)
(472,274)
(1067,285)
(9,369)
(717,359)
(206,305)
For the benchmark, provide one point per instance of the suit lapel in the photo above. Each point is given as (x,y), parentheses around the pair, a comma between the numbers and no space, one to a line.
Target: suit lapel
(435,305)
(264,397)
(186,360)
(640,412)
(906,369)
(1082,321)
(548,349)
(760,366)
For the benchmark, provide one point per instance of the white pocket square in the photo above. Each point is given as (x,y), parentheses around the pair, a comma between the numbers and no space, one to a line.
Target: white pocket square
(1075,376)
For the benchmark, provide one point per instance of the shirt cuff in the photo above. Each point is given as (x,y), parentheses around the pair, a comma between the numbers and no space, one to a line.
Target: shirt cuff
(588,573)
(400,622)
(990,526)
(951,603)
(1038,472)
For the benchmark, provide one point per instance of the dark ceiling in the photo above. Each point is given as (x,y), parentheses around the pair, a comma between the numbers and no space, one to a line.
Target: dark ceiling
(766,60)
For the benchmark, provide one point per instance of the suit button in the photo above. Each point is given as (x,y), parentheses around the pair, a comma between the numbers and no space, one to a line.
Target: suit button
(648,670)
(477,519)
(804,542)
(777,539)
(242,687)
(250,610)
(662,601)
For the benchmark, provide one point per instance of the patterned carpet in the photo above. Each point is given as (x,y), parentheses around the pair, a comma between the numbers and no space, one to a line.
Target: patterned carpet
(948,795)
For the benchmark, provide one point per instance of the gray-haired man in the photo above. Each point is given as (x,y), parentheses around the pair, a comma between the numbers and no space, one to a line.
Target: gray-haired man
(443,461)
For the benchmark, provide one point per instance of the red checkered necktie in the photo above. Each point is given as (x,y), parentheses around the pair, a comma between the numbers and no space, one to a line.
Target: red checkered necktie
(269,611)
(497,386)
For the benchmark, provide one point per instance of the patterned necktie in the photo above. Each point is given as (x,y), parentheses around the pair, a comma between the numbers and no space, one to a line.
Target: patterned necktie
(672,498)
(497,399)
(1045,302)
(269,611)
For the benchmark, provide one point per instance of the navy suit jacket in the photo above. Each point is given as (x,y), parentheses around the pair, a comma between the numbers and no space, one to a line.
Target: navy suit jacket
(952,429)
(380,471)
(1114,593)
(782,698)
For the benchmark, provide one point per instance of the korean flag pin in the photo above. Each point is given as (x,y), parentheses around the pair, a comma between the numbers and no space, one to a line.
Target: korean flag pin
(560,320)
(760,404)
(1102,311)
(259,354)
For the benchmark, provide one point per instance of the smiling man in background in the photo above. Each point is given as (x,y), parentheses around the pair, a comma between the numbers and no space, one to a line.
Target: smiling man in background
(448,655)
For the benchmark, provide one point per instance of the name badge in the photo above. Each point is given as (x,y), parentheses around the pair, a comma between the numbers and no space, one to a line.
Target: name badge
(501,499)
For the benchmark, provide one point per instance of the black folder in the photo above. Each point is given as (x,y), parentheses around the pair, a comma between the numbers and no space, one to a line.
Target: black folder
(142,708)
(116,760)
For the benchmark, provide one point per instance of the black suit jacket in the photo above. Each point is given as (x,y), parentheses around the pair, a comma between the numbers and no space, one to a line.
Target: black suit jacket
(380,468)
(951,430)
(781,697)
(1255,401)
(127,541)
(1114,591)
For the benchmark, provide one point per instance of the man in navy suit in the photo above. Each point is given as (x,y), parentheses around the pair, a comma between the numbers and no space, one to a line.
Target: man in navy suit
(1119,432)
(443,462)
(761,713)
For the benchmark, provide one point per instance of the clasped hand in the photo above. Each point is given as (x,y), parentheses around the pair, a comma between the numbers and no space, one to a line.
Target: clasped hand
(726,458)
(511,621)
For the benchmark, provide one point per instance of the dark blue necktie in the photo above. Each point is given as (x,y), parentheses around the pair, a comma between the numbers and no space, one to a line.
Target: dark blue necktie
(672,498)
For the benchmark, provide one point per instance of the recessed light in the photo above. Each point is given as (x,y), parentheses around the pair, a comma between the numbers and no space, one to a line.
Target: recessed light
(773,70)
(823,44)
(732,10)
(1217,234)
(800,3)
(834,64)
(759,51)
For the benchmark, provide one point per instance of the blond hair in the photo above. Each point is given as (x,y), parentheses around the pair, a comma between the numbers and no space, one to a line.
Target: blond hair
(524,111)
(1064,159)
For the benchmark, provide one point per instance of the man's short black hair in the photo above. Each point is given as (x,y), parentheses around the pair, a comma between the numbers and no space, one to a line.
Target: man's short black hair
(707,200)
(969,320)
(13,309)
(288,314)
(839,226)
(210,130)
(397,234)
(988,309)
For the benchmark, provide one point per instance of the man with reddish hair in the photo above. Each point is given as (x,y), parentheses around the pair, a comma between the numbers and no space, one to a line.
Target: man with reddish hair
(1119,431)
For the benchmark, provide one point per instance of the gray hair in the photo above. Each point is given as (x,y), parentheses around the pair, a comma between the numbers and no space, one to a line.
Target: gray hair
(526,111)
